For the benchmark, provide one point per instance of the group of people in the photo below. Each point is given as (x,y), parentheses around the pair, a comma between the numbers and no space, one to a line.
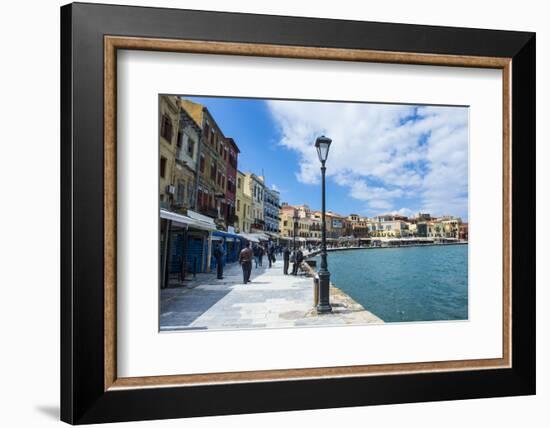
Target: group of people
(257,252)
(295,257)
(269,250)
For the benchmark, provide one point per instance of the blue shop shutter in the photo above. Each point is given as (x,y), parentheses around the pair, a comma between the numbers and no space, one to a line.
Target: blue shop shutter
(194,254)
(176,252)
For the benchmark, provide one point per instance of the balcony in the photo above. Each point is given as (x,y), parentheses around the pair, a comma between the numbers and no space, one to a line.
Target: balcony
(232,219)
(210,212)
(258,224)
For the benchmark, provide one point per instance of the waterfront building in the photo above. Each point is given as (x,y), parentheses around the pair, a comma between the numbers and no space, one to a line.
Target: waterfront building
(169,123)
(243,204)
(335,224)
(450,227)
(286,220)
(271,210)
(185,170)
(211,176)
(256,185)
(442,227)
(463,231)
(303,211)
(389,226)
(315,229)
(357,226)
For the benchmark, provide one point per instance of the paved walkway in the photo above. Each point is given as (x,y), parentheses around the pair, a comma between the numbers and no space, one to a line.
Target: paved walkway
(271,300)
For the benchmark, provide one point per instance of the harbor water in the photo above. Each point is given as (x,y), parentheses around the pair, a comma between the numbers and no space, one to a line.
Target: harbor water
(428,283)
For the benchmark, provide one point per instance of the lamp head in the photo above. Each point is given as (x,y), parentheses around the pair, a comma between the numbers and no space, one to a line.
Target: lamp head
(322,144)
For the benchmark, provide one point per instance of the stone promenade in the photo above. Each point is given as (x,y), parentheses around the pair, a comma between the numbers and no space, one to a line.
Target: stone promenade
(271,300)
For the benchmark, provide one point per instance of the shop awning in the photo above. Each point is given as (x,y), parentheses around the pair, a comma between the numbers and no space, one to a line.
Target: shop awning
(228,236)
(249,237)
(186,221)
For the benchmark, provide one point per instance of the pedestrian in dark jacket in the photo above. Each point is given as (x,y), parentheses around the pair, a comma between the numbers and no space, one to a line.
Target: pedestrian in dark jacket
(255,254)
(271,255)
(260,254)
(219,252)
(245,259)
(286,260)
(298,259)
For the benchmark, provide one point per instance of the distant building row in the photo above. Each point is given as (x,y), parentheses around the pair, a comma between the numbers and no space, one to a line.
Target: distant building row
(307,224)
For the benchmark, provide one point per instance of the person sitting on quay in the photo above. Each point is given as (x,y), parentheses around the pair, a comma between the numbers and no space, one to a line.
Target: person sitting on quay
(245,260)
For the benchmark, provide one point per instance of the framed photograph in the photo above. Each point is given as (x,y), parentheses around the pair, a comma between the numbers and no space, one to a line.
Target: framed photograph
(267,213)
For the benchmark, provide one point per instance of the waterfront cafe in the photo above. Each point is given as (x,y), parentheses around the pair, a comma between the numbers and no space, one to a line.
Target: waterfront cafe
(185,245)
(401,242)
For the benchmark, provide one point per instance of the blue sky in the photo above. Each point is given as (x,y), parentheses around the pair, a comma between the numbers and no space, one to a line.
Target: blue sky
(384,158)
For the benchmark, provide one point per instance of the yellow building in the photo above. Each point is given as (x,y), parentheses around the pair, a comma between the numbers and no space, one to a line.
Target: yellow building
(286,221)
(169,124)
(243,204)
(307,226)
(256,186)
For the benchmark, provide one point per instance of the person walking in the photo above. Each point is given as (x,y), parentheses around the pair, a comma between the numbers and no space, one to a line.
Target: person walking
(256,256)
(245,260)
(273,252)
(286,260)
(219,252)
(260,254)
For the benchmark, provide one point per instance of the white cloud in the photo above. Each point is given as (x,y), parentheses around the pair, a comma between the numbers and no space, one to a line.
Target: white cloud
(383,153)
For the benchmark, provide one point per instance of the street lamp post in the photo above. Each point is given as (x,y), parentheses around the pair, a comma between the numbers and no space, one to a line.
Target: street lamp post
(322,144)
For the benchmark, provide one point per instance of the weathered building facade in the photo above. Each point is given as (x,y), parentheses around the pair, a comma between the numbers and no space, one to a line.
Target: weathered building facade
(168,135)
(211,173)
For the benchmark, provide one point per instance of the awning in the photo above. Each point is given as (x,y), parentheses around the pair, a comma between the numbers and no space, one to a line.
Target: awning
(227,236)
(188,222)
(261,236)
(249,237)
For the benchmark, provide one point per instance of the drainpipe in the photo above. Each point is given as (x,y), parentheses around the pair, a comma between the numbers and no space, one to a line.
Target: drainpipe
(198,165)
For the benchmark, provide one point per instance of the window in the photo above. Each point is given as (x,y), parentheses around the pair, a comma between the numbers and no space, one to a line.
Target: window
(239,183)
(238,205)
(180,196)
(199,197)
(212,170)
(166,128)
(163,167)
(190,147)
(190,192)
(202,164)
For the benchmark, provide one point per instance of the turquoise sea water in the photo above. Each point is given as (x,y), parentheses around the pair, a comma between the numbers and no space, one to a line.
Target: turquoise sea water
(405,284)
